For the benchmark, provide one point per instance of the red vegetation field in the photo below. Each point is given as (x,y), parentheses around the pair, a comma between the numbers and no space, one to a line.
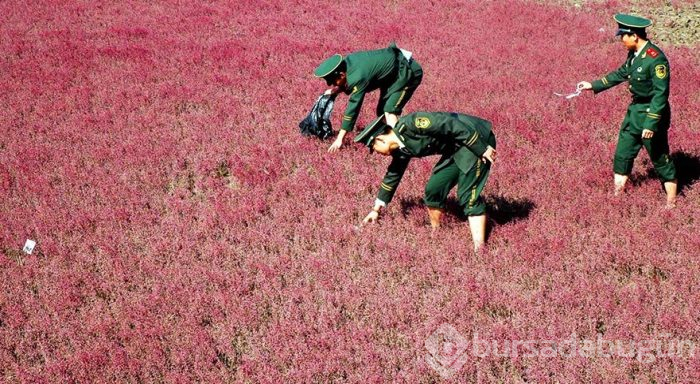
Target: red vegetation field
(186,232)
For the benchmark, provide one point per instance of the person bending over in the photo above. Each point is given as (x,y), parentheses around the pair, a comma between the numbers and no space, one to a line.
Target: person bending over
(467,147)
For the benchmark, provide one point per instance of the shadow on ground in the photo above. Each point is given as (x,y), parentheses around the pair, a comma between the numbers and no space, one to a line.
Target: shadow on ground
(503,210)
(687,170)
(499,209)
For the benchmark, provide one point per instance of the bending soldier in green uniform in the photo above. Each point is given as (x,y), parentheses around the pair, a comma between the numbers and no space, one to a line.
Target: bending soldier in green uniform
(649,114)
(467,146)
(391,70)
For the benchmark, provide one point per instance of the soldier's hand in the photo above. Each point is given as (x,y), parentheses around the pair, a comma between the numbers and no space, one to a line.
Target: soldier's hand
(335,146)
(489,155)
(583,86)
(338,141)
(371,217)
(647,134)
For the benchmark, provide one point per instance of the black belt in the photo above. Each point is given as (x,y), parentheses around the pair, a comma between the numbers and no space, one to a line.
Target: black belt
(641,100)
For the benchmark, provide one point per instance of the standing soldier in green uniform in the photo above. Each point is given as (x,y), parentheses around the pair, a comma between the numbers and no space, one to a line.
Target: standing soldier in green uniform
(467,146)
(649,114)
(391,70)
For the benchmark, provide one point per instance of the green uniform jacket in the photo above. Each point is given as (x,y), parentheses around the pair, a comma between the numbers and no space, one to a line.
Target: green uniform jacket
(457,137)
(367,71)
(649,78)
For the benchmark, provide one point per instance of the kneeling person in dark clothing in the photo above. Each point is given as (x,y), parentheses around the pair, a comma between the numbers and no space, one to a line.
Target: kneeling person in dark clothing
(467,146)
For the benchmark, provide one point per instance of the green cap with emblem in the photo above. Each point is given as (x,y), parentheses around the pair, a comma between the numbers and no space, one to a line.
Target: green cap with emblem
(630,24)
(374,129)
(329,66)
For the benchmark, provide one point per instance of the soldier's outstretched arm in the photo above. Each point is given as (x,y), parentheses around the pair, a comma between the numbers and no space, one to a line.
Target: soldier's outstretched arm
(357,97)
(610,80)
(387,188)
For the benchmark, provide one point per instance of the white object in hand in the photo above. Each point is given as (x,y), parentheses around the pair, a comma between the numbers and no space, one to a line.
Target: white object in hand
(570,95)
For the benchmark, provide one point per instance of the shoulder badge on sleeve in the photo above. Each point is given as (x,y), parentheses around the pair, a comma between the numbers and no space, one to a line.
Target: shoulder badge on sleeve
(652,52)
(661,71)
(422,122)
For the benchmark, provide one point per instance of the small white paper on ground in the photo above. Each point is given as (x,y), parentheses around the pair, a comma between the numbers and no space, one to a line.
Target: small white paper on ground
(29,246)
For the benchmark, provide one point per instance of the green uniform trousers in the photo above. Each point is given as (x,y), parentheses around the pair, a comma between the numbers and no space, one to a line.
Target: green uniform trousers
(395,101)
(630,142)
(469,187)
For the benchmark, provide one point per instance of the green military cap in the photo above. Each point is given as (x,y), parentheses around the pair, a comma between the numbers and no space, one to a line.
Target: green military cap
(374,129)
(630,24)
(329,66)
